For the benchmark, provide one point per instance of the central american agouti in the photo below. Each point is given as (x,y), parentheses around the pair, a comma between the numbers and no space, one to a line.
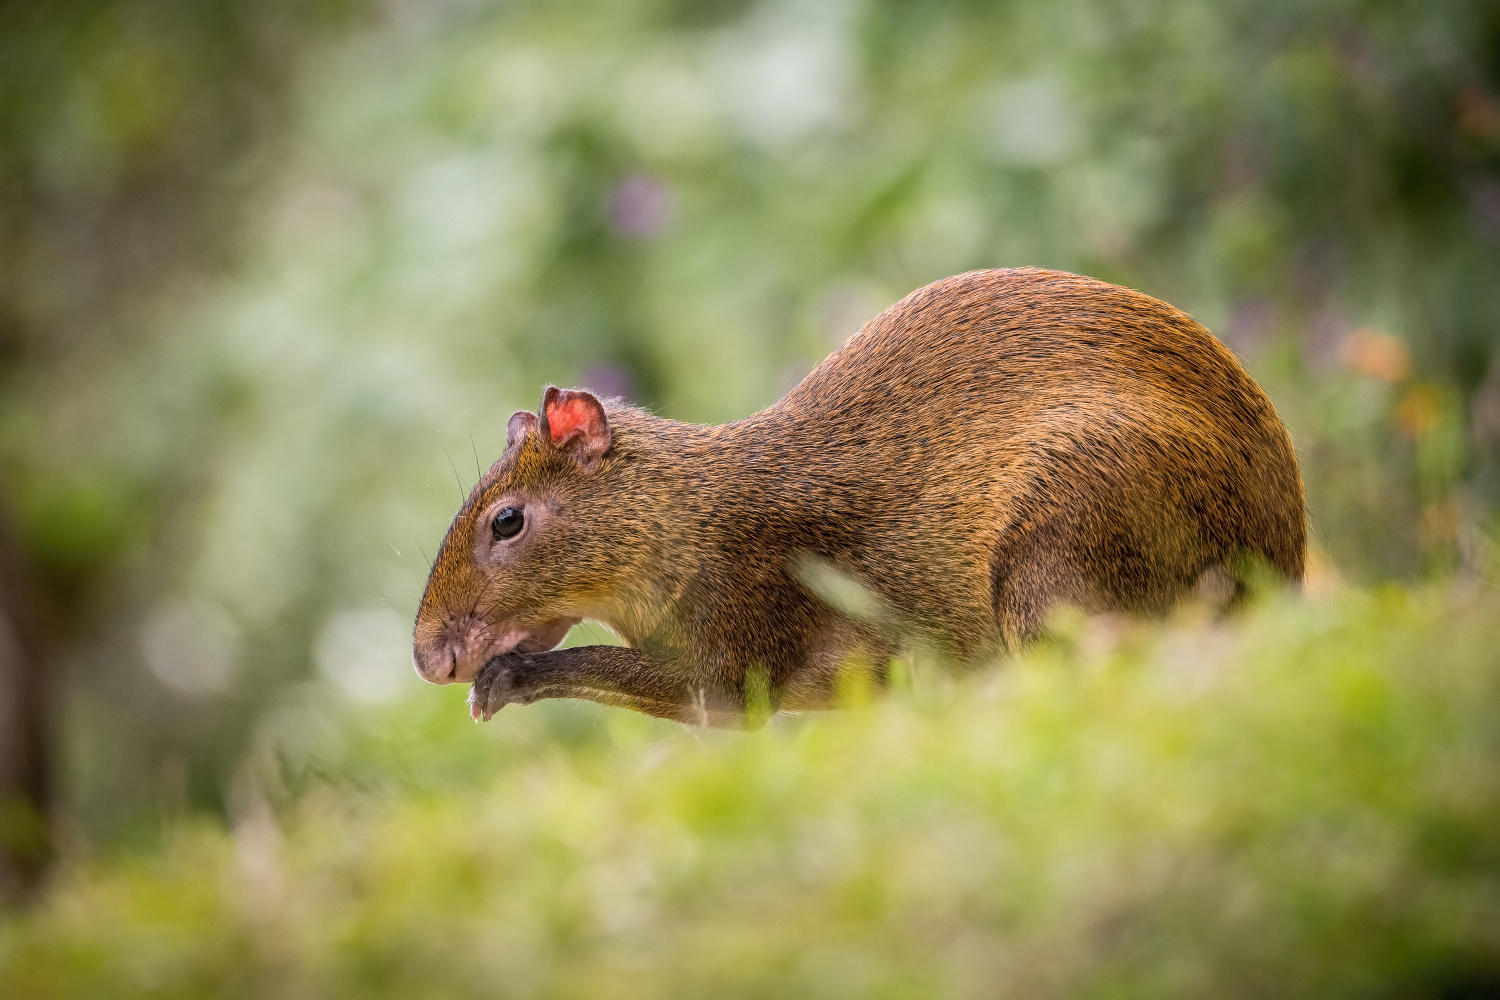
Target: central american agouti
(991,446)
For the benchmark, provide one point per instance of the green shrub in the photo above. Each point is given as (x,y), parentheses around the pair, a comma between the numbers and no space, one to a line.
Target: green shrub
(1305,802)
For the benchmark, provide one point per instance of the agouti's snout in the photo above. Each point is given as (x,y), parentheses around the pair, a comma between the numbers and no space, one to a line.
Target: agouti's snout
(455,651)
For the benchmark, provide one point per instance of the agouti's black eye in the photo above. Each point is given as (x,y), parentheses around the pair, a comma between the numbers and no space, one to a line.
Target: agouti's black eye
(507,523)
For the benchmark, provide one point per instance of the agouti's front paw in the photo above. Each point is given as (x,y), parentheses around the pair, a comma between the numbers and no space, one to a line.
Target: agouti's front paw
(495,686)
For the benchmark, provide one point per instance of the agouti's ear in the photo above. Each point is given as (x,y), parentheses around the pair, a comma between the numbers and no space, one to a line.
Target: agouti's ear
(520,422)
(574,421)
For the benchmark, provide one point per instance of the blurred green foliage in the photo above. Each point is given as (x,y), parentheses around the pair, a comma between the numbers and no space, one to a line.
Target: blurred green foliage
(273,275)
(1303,805)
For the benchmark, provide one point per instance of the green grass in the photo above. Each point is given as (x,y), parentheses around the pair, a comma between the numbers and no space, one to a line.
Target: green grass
(1303,803)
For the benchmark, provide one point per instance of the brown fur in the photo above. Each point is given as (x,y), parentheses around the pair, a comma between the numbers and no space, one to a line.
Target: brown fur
(991,446)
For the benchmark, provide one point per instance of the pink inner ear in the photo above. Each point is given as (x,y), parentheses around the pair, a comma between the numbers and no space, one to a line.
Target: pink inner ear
(567,418)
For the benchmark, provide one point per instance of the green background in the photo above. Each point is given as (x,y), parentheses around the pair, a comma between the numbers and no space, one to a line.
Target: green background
(273,276)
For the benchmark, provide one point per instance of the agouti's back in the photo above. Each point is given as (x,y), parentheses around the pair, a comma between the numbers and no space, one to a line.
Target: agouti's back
(989,447)
(1063,439)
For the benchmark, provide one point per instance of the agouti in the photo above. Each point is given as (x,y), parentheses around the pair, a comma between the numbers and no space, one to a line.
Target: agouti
(991,446)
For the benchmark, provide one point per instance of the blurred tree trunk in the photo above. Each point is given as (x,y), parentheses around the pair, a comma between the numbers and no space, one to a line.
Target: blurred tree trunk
(25,842)
(134,135)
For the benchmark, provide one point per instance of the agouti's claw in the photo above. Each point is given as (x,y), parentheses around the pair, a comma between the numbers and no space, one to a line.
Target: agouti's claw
(478,712)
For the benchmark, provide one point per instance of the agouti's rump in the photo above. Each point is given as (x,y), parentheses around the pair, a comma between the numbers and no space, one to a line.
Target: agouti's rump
(991,446)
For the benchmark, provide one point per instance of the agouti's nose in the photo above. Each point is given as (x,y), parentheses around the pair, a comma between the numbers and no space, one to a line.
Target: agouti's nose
(434,662)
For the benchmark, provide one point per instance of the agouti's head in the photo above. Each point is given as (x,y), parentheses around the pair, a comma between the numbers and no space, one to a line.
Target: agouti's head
(522,561)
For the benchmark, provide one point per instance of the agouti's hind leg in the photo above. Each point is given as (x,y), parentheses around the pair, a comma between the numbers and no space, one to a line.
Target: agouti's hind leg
(1033,572)
(609,675)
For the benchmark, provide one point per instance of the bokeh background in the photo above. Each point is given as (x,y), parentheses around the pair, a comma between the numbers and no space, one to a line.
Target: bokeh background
(273,275)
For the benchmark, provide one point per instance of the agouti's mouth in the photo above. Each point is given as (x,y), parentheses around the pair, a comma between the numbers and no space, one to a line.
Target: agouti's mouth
(538,639)
(521,639)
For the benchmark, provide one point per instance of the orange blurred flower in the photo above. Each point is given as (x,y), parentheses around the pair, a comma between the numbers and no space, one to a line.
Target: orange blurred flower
(1376,354)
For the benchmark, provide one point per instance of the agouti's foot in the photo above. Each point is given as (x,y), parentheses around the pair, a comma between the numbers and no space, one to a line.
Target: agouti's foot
(496,685)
